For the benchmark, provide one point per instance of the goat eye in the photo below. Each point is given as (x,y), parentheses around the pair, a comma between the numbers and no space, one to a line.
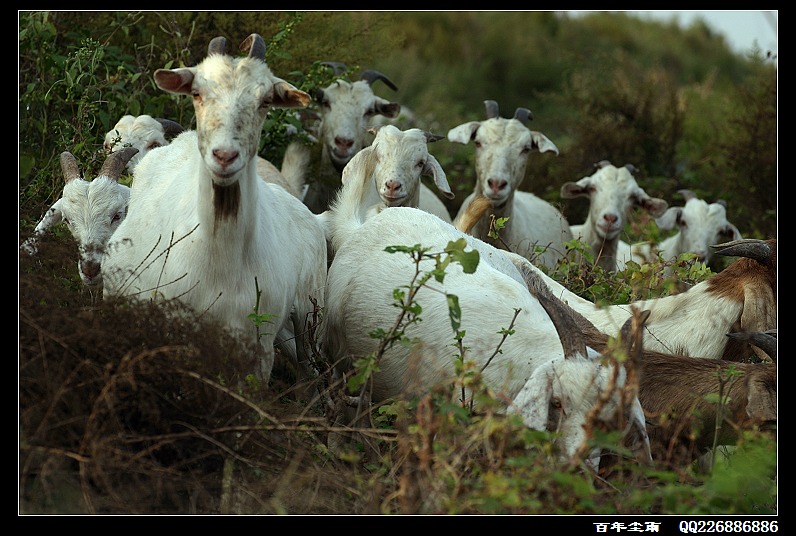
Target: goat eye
(525,150)
(556,403)
(153,145)
(116,217)
(477,144)
(420,164)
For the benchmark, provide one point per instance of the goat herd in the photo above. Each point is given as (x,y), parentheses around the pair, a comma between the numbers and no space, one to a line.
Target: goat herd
(209,222)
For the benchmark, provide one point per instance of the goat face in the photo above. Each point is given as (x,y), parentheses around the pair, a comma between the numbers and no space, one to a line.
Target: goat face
(502,149)
(346,113)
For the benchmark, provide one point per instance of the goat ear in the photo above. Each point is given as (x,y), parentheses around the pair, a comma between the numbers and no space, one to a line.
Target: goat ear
(542,143)
(286,95)
(760,404)
(175,80)
(361,165)
(654,205)
(668,219)
(433,168)
(532,403)
(387,108)
(464,132)
(571,190)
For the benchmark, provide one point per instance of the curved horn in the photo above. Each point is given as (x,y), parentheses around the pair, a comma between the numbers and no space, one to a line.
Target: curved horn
(432,137)
(721,202)
(254,45)
(688,195)
(371,76)
(751,248)
(631,168)
(217,46)
(763,340)
(338,67)
(569,334)
(170,128)
(492,109)
(69,166)
(523,115)
(602,163)
(116,162)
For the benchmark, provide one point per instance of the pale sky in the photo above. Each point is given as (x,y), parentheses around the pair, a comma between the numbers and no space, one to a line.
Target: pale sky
(741,28)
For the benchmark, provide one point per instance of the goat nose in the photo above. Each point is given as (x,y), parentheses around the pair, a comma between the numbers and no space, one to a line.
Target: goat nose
(496,184)
(225,157)
(343,143)
(90,268)
(393,186)
(611,218)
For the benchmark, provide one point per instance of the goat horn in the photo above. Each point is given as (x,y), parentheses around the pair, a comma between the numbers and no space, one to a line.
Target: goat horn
(170,128)
(523,115)
(751,248)
(721,202)
(217,46)
(631,168)
(371,76)
(338,67)
(492,109)
(602,163)
(687,194)
(69,166)
(116,162)
(763,340)
(569,334)
(433,137)
(255,46)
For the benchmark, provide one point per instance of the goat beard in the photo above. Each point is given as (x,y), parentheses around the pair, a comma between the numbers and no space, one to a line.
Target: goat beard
(226,202)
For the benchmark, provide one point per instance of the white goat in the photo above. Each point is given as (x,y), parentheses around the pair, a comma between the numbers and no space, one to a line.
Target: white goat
(699,225)
(203,228)
(551,387)
(92,210)
(502,150)
(146,133)
(143,132)
(742,297)
(347,110)
(388,172)
(613,194)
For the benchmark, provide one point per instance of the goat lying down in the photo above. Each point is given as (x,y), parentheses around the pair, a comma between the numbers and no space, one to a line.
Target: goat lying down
(674,389)
(552,381)
(742,297)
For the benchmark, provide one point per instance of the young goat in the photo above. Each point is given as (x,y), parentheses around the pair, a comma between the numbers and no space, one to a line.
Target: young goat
(346,110)
(92,210)
(502,148)
(699,225)
(613,193)
(388,172)
(205,229)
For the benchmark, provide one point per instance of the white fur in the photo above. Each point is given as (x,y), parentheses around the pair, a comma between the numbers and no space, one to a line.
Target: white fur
(92,210)
(359,299)
(176,243)
(502,150)
(699,225)
(146,133)
(613,194)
